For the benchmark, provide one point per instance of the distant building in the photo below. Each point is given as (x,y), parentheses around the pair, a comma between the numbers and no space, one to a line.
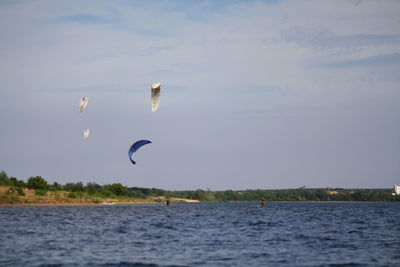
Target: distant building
(396,189)
(330,192)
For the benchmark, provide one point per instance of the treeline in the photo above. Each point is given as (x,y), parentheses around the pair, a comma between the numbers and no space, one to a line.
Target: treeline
(114,190)
(291,195)
(76,189)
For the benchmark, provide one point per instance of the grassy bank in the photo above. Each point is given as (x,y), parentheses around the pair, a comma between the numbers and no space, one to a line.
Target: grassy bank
(11,195)
(38,190)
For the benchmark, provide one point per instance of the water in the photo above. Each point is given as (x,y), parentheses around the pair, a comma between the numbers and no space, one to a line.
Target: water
(202,234)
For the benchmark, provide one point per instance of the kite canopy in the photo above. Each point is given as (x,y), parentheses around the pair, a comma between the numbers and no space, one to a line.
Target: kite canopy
(86,134)
(155,96)
(135,147)
(83,103)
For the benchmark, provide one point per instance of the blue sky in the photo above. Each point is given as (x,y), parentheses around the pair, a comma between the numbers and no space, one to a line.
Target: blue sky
(255,94)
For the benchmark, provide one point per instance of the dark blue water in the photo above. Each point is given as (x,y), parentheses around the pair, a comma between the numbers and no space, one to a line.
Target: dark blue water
(202,234)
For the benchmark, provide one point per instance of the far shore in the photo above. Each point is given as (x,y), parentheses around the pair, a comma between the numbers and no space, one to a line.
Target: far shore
(91,195)
(10,197)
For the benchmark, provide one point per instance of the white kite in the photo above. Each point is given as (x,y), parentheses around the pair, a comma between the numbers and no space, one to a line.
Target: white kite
(83,103)
(86,134)
(155,96)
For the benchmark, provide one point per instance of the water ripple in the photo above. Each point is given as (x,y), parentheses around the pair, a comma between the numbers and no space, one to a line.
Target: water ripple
(202,234)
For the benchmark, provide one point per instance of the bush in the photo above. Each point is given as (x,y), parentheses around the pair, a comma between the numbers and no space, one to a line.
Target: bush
(72,195)
(20,191)
(105,192)
(41,192)
(55,187)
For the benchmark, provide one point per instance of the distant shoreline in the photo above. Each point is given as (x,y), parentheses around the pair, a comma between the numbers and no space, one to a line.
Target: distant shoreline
(37,192)
(17,196)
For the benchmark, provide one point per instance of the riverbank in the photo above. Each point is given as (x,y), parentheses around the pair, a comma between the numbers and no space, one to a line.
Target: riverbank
(12,196)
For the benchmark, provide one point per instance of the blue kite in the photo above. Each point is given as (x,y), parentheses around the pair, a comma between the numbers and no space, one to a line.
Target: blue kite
(135,147)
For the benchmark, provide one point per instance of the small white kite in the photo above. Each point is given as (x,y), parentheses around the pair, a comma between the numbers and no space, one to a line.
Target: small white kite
(86,134)
(155,96)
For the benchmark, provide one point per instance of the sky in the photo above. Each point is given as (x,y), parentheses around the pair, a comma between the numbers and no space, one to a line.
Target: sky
(255,94)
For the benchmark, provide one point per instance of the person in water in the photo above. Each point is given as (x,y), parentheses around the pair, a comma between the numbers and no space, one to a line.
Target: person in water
(167,202)
(262,202)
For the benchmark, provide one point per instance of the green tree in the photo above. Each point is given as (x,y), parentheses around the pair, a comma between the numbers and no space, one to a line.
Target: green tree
(106,192)
(92,188)
(4,180)
(55,187)
(37,183)
(74,187)
(200,194)
(137,194)
(117,189)
(19,183)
